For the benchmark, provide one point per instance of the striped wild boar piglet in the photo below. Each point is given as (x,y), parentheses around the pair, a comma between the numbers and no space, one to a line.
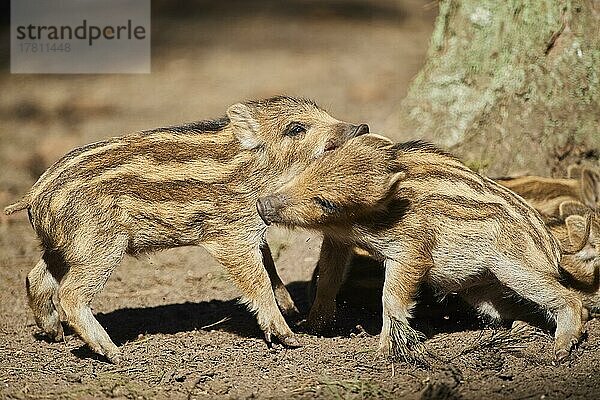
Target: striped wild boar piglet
(546,194)
(578,232)
(187,185)
(430,219)
(577,228)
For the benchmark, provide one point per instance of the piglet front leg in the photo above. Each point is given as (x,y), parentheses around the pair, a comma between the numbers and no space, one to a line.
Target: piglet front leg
(398,340)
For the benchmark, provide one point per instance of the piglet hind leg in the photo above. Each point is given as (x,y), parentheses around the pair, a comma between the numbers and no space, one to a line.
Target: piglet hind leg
(543,288)
(496,304)
(42,287)
(244,265)
(570,321)
(398,340)
(85,278)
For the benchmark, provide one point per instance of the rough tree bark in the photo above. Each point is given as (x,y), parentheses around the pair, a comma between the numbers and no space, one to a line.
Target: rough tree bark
(511,85)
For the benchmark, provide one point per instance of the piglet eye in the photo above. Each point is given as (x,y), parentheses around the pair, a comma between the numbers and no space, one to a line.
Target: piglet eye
(327,205)
(294,129)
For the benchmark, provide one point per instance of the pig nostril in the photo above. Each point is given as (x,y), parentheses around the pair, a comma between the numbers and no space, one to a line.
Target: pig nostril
(269,208)
(361,130)
(330,145)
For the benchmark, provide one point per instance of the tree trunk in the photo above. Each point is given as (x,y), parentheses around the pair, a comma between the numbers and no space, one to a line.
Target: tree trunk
(511,85)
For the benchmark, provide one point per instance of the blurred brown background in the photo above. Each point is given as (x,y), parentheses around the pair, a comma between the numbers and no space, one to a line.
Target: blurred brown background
(355,58)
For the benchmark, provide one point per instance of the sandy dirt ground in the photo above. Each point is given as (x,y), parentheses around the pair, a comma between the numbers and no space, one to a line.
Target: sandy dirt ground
(175,313)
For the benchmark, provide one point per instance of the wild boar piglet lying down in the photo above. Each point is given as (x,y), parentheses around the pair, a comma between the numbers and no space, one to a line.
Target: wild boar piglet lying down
(430,219)
(187,185)
(547,194)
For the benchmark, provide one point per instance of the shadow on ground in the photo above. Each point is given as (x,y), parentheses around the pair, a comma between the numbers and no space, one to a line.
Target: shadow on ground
(127,324)
(431,316)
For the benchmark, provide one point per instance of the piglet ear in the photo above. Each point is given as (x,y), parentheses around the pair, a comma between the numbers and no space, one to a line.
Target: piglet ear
(397,171)
(577,229)
(590,187)
(572,207)
(392,183)
(395,178)
(245,127)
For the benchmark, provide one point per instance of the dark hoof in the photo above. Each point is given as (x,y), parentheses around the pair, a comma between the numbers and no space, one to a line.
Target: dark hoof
(291,312)
(561,355)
